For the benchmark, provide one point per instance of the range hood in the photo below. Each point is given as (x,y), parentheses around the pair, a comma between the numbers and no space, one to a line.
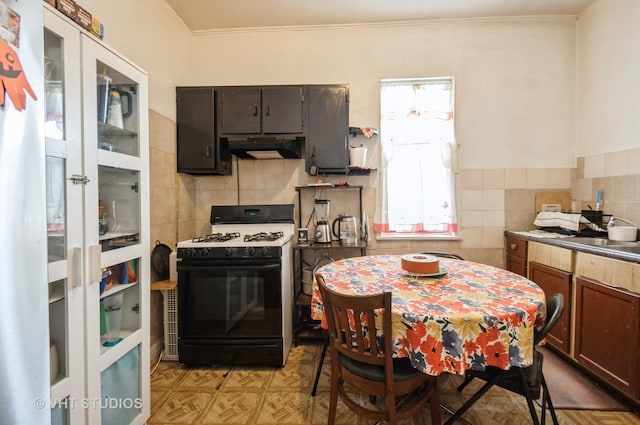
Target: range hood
(267,147)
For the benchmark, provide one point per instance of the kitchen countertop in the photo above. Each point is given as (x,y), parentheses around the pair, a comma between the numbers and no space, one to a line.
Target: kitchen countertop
(626,251)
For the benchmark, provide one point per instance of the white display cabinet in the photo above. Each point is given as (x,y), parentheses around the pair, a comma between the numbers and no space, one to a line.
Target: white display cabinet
(96,127)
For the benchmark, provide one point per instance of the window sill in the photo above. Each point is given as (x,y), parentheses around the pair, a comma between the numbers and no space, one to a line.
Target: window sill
(416,236)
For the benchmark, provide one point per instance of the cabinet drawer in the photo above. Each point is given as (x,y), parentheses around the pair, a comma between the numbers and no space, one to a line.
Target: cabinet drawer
(517,265)
(516,247)
(552,256)
(616,273)
(607,340)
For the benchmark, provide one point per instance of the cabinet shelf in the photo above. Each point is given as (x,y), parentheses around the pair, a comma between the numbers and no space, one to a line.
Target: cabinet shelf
(327,186)
(333,245)
(107,130)
(119,235)
(124,334)
(357,131)
(306,328)
(117,287)
(55,298)
(303,299)
(164,285)
(359,171)
(111,241)
(313,331)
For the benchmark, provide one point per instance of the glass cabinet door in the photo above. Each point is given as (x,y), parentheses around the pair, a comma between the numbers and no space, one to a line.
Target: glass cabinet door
(64,217)
(97,191)
(116,161)
(118,207)
(117,136)
(118,120)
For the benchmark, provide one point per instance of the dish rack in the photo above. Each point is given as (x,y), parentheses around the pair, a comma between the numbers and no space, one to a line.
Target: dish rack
(170,297)
(597,217)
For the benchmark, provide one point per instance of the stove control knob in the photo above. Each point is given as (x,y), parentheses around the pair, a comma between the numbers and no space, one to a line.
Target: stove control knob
(228,251)
(265,251)
(251,251)
(204,252)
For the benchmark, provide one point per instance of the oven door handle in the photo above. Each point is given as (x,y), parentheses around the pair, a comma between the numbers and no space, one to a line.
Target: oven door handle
(202,265)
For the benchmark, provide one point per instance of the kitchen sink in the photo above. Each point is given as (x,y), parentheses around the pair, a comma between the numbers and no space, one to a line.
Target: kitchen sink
(604,242)
(633,249)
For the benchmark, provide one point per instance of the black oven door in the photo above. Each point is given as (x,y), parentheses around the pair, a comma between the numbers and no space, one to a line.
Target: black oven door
(229,301)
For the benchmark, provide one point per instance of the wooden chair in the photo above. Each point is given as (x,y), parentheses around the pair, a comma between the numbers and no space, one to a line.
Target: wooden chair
(526,381)
(361,356)
(321,261)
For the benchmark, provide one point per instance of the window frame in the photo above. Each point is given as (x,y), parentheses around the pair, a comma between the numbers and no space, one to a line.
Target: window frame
(454,233)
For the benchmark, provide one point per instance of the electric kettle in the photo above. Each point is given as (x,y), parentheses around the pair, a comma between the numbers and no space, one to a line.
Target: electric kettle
(347,231)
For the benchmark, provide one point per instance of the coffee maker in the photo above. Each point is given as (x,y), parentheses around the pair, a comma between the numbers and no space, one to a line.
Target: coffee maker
(322,233)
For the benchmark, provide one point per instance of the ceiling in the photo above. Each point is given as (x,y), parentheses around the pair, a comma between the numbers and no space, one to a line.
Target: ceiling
(202,15)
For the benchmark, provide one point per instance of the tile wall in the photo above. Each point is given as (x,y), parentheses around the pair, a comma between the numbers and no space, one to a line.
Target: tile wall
(617,174)
(490,200)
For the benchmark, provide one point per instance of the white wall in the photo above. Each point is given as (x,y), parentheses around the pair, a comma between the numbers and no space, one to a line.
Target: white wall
(149,34)
(608,87)
(515,79)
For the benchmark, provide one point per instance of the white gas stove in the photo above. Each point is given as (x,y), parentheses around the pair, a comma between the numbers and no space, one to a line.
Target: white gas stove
(242,231)
(235,288)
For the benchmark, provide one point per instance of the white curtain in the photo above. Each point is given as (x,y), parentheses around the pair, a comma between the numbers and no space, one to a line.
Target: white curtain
(416,187)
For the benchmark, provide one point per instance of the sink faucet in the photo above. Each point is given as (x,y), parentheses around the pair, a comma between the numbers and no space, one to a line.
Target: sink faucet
(612,222)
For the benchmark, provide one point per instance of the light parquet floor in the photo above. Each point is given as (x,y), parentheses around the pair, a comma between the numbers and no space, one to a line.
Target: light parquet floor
(278,396)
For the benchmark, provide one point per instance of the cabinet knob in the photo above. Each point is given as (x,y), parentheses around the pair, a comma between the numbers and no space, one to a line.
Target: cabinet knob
(514,246)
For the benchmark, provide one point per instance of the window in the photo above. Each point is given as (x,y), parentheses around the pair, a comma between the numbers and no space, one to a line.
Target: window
(416,195)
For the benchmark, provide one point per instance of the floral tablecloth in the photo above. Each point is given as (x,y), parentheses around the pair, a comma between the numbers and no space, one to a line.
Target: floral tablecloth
(473,316)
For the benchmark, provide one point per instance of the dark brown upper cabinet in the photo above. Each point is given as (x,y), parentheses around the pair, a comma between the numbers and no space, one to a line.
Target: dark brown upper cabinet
(199,150)
(327,129)
(261,110)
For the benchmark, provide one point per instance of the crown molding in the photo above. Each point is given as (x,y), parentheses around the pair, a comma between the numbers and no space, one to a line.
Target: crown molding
(416,23)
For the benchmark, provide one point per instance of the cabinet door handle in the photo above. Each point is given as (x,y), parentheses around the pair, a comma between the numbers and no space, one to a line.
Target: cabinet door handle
(266,110)
(74,267)
(78,179)
(514,246)
(208,152)
(95,263)
(255,110)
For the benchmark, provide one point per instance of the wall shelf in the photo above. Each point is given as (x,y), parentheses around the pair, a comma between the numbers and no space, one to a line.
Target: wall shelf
(305,326)
(359,171)
(368,132)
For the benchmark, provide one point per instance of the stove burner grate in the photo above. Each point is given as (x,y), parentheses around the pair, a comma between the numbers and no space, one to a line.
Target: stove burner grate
(216,237)
(263,236)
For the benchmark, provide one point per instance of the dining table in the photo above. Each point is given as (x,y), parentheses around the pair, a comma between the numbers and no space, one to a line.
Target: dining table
(468,315)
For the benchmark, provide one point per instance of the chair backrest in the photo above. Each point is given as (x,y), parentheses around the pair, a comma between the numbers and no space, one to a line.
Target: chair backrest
(443,254)
(353,329)
(555,307)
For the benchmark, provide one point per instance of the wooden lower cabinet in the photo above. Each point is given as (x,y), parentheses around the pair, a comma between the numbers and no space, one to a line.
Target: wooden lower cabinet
(553,281)
(606,340)
(516,255)
(517,265)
